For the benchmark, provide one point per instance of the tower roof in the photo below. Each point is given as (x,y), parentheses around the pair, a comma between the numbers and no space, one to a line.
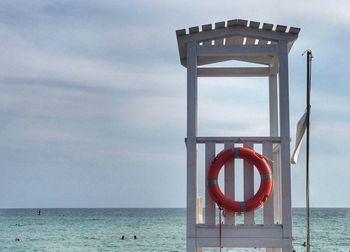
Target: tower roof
(235,32)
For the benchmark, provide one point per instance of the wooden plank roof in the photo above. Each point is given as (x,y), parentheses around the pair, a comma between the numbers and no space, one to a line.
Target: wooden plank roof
(235,32)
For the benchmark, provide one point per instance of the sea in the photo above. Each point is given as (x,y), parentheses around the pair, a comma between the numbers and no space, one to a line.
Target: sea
(154,229)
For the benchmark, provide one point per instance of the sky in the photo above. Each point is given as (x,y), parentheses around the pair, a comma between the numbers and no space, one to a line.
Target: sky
(93,100)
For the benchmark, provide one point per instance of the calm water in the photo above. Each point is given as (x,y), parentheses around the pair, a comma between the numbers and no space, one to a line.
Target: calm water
(156,230)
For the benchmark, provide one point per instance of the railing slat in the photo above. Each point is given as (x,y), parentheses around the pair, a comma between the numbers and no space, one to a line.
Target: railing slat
(199,210)
(229,183)
(268,206)
(248,185)
(277,184)
(209,203)
(237,139)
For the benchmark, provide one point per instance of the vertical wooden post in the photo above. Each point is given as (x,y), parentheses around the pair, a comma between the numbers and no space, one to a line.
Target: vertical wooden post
(269,204)
(248,185)
(285,145)
(273,112)
(229,184)
(209,203)
(191,145)
(273,105)
(273,108)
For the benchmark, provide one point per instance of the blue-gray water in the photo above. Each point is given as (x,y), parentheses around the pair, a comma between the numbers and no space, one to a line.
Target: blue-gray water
(156,230)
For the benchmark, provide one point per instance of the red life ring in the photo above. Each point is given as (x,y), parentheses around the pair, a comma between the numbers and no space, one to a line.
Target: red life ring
(261,195)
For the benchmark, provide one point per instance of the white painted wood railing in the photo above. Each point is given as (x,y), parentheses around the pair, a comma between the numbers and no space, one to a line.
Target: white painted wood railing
(272,207)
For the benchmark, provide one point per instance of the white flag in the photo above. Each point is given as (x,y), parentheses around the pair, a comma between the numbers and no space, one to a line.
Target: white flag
(301,127)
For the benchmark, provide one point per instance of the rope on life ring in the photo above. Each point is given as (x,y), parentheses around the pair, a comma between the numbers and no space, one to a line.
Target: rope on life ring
(259,161)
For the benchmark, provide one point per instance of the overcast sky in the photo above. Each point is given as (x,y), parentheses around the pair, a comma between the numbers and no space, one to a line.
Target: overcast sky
(93,100)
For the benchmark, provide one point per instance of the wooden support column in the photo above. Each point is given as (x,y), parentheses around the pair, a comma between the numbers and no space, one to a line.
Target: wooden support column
(269,206)
(285,145)
(276,167)
(191,146)
(276,174)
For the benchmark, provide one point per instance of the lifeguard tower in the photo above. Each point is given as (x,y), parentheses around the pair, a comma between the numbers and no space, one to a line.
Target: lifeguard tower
(269,46)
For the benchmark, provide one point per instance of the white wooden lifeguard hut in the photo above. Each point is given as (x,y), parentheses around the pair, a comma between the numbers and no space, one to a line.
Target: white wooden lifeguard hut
(259,43)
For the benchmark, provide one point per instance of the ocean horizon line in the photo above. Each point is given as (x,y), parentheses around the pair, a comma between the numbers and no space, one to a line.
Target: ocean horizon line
(9,208)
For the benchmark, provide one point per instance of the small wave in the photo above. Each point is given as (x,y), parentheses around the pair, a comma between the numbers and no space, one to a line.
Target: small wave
(90,238)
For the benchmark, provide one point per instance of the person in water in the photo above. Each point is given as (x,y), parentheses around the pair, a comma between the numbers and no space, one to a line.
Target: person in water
(123,237)
(135,237)
(39,212)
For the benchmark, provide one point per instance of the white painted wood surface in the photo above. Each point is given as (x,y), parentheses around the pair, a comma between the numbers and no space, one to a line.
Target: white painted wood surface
(229,184)
(237,139)
(276,165)
(277,201)
(199,210)
(258,59)
(273,105)
(273,111)
(209,203)
(268,206)
(199,217)
(248,42)
(234,32)
(233,71)
(248,177)
(267,27)
(219,25)
(207,27)
(251,40)
(237,31)
(285,144)
(191,146)
(237,50)
(193,30)
(277,183)
(203,230)
(246,242)
(272,231)
(237,40)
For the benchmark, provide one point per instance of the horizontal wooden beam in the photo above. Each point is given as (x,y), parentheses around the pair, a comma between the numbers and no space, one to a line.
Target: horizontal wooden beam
(259,59)
(240,231)
(242,242)
(259,236)
(237,50)
(233,71)
(238,139)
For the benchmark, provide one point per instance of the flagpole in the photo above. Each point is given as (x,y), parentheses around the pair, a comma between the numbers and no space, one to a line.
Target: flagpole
(308,110)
